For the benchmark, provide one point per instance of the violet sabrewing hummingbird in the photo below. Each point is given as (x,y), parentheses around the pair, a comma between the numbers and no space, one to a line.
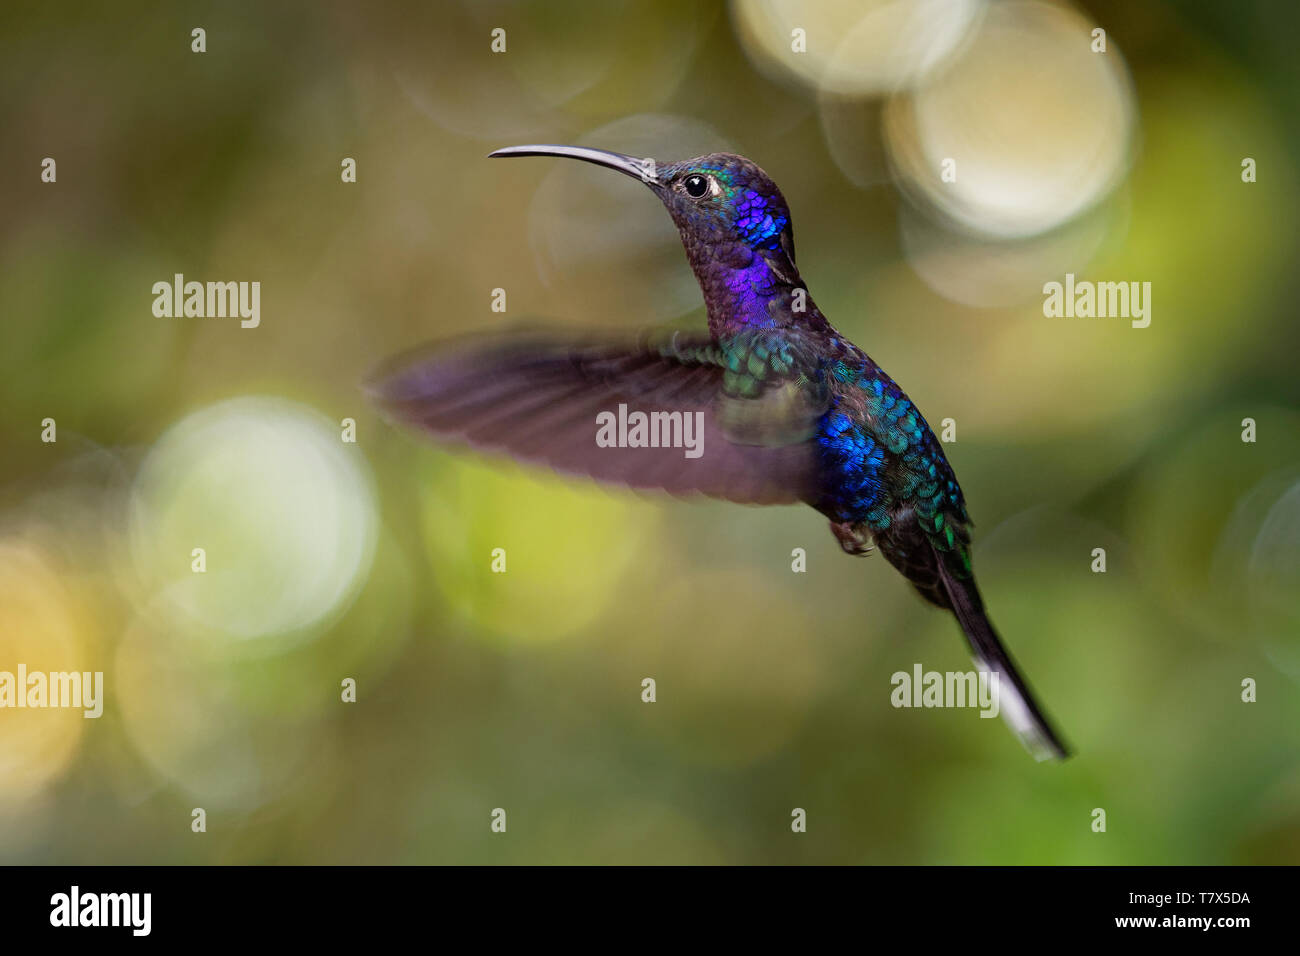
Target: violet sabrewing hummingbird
(787,408)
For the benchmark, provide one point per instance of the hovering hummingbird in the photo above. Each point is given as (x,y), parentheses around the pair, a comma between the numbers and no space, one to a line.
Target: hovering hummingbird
(791,411)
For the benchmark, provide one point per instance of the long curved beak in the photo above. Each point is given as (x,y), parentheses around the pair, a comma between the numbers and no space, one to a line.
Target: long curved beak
(642,169)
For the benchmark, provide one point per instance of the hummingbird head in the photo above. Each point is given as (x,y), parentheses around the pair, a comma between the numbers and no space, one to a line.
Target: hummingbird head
(731,216)
(725,205)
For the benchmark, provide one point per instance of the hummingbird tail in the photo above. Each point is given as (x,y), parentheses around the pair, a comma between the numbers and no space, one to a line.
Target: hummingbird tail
(1017,703)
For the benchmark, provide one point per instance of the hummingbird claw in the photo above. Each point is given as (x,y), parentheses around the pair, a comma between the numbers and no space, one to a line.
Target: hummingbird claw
(852,538)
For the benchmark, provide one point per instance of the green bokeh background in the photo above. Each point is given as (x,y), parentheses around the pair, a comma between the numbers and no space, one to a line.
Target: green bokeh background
(523,690)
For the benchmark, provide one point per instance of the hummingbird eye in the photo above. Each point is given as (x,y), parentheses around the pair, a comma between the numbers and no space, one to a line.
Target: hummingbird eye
(696,185)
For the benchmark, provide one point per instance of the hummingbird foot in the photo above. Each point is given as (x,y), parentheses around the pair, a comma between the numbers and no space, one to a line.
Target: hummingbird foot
(853,538)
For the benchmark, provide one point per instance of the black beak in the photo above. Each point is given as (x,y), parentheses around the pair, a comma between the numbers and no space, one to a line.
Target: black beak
(642,169)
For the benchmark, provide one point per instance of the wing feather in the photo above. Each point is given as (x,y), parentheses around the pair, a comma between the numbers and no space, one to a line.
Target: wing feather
(538,399)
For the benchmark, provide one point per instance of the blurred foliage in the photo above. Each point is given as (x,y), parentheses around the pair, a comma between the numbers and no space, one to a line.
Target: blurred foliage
(522,690)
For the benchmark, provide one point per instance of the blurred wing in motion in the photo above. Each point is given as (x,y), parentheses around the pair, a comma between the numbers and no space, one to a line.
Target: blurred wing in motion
(542,400)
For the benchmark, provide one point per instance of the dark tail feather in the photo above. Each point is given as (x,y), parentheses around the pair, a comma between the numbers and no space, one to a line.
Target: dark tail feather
(1014,698)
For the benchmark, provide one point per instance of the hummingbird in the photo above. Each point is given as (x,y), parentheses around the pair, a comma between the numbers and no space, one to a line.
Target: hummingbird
(790,411)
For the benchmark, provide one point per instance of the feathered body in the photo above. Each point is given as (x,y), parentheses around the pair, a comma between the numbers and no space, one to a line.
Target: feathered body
(881,472)
(792,411)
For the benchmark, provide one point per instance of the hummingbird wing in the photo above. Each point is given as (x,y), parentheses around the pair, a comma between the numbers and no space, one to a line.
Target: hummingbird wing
(732,419)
